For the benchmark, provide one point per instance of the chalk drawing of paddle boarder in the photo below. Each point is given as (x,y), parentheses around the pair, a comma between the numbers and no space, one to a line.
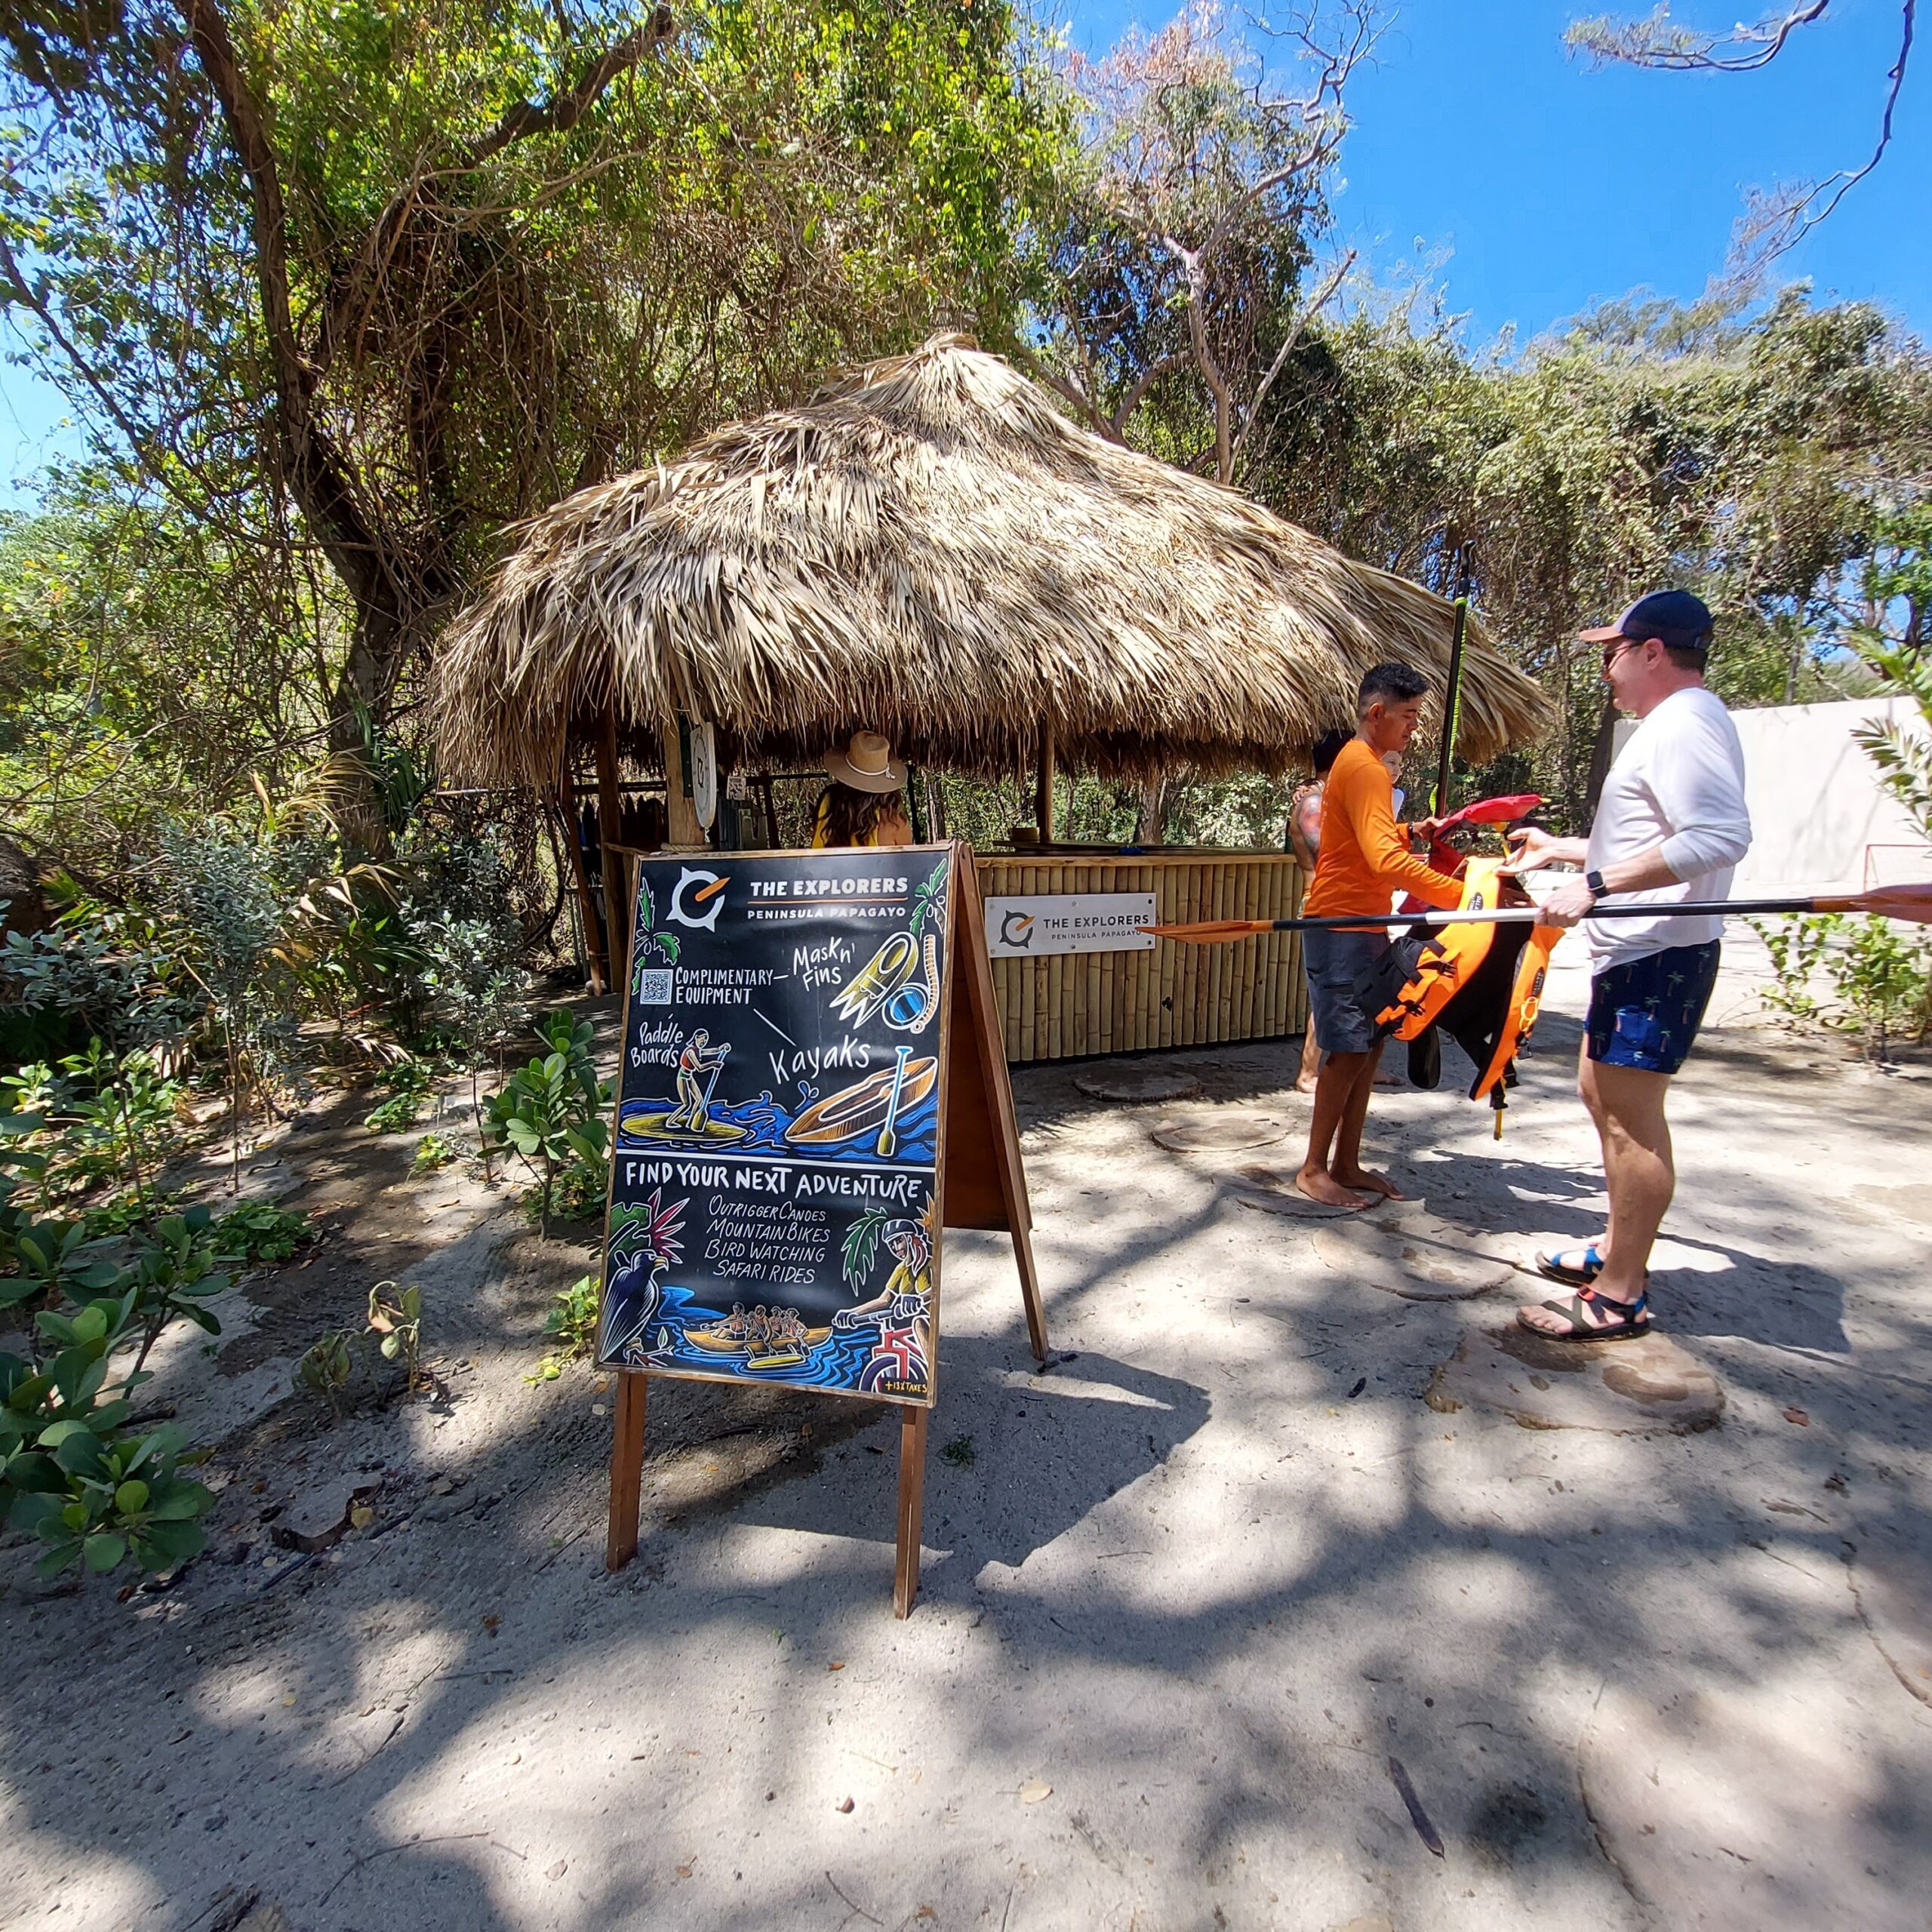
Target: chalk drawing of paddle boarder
(697,1074)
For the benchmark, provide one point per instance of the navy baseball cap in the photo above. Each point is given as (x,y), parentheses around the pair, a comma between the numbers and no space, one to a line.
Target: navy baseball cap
(1675,617)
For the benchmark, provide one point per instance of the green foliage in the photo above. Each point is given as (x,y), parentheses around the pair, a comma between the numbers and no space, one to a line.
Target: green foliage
(395,1318)
(258,1231)
(1879,974)
(338,1368)
(571,1325)
(1797,949)
(70,1472)
(432,1152)
(1899,579)
(408,1084)
(548,1112)
(960,1453)
(326,1367)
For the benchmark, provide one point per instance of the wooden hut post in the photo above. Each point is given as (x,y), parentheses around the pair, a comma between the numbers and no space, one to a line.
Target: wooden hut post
(1043,790)
(609,834)
(682,832)
(600,981)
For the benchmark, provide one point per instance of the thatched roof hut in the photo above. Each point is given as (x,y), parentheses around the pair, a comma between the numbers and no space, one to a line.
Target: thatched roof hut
(928,547)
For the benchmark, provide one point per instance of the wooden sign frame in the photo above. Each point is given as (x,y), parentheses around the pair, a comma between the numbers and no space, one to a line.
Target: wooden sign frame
(978,1182)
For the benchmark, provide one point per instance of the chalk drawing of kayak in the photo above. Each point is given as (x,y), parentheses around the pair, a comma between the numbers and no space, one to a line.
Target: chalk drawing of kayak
(869,1106)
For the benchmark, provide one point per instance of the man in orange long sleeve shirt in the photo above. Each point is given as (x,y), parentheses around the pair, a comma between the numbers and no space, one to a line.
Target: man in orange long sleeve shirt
(1364,860)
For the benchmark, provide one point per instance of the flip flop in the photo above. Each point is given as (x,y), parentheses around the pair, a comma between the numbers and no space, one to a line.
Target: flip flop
(1629,1320)
(1574,1267)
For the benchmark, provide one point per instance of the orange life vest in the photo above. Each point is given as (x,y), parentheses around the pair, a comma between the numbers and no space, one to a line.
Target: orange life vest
(1480,983)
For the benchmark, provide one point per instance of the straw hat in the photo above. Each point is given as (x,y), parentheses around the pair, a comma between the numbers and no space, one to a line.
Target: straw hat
(867,764)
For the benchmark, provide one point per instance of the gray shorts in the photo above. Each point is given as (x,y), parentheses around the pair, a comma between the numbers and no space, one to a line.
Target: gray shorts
(1344,1021)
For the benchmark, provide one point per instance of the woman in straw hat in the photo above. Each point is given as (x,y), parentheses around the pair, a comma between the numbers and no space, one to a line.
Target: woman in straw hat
(862,806)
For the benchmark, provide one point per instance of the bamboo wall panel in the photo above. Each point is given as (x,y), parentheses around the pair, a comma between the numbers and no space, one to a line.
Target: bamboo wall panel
(1069,1006)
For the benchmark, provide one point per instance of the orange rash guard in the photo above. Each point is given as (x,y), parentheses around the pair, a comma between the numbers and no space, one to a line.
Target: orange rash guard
(1364,859)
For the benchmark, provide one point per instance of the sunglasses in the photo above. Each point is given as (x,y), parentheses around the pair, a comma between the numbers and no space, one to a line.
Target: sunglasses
(1611,652)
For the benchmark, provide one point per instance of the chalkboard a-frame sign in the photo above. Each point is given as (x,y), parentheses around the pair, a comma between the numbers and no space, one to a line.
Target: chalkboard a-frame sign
(812,1090)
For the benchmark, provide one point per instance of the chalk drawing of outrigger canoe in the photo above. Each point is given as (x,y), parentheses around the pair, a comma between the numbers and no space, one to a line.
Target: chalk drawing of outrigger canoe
(869,1106)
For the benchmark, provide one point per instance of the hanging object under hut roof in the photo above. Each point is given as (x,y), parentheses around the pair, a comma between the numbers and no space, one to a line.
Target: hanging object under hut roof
(930,548)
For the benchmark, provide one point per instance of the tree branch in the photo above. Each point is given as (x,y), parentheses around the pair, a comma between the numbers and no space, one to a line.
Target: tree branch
(1142,383)
(562,112)
(1323,296)
(1654,42)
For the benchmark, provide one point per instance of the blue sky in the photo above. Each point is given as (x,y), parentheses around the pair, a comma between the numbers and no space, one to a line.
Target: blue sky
(1550,187)
(1539,187)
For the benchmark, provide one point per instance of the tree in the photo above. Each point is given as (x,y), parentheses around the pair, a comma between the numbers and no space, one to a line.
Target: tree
(1179,258)
(378,280)
(1776,220)
(1756,458)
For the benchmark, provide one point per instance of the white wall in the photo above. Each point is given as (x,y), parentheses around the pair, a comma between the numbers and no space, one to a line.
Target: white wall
(1816,807)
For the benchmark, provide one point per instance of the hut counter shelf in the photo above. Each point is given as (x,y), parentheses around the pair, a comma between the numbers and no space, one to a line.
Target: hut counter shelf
(1065,1005)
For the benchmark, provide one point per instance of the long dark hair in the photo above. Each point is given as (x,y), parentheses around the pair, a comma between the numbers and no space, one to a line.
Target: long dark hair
(850,817)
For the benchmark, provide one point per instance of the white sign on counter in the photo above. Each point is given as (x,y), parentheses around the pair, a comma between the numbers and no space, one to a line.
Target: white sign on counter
(1037,924)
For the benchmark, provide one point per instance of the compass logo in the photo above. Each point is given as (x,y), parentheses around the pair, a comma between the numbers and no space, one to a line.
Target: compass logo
(1016,930)
(694,888)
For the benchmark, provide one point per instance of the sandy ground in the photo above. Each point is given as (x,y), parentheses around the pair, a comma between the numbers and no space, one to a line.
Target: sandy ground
(1185,1597)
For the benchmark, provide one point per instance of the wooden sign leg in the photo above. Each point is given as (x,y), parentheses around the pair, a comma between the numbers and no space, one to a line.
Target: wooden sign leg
(1030,1291)
(912,1502)
(627,1470)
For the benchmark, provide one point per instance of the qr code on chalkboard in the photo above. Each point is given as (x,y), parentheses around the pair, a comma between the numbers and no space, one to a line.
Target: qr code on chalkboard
(653,985)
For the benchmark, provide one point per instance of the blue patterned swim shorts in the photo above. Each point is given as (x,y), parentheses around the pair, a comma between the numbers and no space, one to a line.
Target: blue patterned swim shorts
(1646,1012)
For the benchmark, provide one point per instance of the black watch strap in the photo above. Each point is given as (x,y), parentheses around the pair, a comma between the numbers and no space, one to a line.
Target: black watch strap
(1593,879)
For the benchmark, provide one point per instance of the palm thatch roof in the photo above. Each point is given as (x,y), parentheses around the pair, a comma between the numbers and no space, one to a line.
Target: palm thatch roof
(929,548)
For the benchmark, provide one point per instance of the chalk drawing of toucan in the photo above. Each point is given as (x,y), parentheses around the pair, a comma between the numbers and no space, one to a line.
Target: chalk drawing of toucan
(641,1253)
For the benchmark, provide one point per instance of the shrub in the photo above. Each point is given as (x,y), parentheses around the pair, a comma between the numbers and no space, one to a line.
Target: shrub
(408,1084)
(571,1325)
(259,1231)
(432,1152)
(549,1112)
(1879,976)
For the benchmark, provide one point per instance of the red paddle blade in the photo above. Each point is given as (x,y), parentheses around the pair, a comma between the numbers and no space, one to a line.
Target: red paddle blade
(1495,811)
(1212,932)
(1911,903)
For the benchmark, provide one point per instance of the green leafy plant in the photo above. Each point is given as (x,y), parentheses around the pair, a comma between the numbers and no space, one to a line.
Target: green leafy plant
(229,896)
(70,1472)
(408,1086)
(259,1231)
(547,1112)
(396,1317)
(571,1325)
(1796,947)
(327,1366)
(1877,974)
(432,1152)
(1883,981)
(173,1269)
(470,974)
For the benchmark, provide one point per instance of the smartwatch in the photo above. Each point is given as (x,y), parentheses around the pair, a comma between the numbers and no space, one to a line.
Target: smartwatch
(1593,878)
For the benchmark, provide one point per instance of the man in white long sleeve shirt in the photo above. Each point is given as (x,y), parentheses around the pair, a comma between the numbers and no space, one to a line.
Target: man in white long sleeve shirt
(1671,826)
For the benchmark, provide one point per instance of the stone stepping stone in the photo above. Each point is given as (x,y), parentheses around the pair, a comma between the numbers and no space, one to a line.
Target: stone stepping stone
(1646,1387)
(1125,1084)
(1413,1253)
(1219,1133)
(1272,1190)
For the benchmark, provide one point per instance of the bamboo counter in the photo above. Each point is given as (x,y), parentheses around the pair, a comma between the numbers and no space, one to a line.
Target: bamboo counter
(1067,1006)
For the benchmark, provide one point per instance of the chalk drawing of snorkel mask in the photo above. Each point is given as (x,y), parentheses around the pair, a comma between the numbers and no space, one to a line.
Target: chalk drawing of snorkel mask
(891,983)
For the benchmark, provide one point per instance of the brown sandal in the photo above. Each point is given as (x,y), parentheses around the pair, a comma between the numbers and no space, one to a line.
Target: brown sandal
(1631,1317)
